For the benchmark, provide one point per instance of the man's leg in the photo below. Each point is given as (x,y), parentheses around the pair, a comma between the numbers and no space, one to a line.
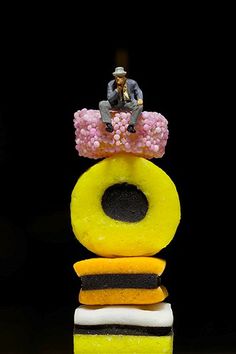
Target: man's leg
(104,107)
(136,111)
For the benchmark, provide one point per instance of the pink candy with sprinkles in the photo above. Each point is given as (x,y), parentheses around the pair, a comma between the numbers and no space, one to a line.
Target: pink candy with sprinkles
(93,141)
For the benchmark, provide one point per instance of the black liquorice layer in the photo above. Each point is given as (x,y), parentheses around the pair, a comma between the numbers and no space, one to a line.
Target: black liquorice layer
(123,330)
(125,202)
(120,281)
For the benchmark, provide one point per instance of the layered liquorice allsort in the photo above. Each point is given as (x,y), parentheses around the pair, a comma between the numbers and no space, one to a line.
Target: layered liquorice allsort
(126,329)
(121,280)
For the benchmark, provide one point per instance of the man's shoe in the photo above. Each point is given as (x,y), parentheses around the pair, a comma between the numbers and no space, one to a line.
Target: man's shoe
(109,127)
(131,128)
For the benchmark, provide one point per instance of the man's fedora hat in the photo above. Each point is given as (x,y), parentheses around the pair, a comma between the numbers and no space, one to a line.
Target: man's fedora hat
(119,71)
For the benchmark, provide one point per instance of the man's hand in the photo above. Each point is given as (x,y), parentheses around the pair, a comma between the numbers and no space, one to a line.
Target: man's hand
(140,102)
(119,88)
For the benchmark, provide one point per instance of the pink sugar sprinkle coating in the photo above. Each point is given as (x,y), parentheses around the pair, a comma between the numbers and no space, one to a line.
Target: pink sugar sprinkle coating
(93,141)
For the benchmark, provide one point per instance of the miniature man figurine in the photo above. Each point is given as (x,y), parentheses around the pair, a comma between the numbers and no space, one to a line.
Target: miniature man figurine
(122,94)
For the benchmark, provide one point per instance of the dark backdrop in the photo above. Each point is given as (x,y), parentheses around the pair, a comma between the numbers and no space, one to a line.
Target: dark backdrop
(53,66)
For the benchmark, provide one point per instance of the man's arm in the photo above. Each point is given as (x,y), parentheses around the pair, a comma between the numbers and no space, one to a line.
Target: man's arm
(112,94)
(138,93)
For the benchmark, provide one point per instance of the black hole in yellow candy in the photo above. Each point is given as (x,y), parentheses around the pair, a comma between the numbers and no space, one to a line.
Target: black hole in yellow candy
(124,202)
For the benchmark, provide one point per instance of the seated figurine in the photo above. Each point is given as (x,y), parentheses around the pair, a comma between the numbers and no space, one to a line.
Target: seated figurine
(122,94)
(109,130)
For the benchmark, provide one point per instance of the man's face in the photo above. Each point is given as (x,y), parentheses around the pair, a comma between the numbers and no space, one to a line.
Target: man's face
(120,80)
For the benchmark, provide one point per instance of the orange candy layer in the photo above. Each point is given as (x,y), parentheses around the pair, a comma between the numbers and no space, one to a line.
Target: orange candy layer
(122,296)
(125,265)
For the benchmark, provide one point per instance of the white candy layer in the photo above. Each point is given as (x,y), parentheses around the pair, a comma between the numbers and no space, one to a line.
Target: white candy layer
(156,315)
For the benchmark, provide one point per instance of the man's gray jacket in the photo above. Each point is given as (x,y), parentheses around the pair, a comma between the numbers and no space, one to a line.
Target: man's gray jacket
(133,89)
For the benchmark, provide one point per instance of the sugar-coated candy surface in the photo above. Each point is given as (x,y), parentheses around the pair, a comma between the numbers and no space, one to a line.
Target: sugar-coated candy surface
(112,344)
(93,141)
(123,296)
(129,265)
(109,237)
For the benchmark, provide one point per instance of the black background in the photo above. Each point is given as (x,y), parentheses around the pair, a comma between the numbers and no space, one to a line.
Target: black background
(56,62)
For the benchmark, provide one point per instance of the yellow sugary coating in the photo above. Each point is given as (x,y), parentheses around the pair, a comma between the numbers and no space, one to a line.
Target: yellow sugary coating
(126,265)
(122,296)
(118,344)
(110,238)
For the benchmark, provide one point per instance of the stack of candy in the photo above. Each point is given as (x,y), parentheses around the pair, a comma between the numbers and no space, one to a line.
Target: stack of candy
(125,210)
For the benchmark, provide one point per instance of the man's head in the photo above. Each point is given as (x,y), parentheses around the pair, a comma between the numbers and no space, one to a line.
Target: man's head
(119,74)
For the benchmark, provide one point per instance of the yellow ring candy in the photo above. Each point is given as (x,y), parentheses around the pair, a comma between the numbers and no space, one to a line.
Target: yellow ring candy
(109,237)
